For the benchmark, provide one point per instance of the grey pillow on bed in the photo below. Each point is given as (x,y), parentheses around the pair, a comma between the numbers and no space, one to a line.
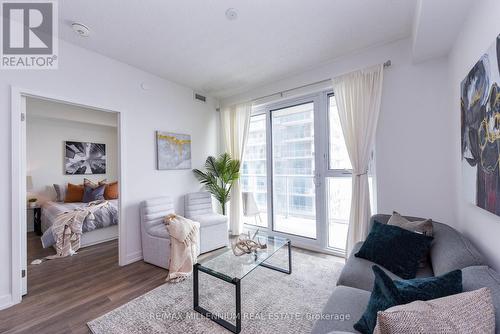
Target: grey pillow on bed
(60,192)
(93,194)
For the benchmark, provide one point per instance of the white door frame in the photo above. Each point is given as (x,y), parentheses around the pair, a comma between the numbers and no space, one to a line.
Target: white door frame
(18,173)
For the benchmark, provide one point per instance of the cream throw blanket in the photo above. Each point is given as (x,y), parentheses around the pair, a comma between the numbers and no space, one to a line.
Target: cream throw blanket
(183,246)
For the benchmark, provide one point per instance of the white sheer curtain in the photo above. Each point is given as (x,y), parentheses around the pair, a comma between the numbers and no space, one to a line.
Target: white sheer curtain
(235,121)
(358,95)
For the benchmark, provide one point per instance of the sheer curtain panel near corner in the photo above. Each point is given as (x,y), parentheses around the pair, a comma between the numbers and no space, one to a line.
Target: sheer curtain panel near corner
(358,95)
(235,121)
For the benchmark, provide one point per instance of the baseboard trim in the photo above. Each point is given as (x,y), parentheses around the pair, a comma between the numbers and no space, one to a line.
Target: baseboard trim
(133,257)
(6,302)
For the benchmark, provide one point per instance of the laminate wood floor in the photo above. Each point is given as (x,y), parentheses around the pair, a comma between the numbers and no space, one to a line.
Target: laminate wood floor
(64,294)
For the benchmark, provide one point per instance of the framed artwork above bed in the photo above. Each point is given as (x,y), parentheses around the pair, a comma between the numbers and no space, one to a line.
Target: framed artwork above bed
(83,158)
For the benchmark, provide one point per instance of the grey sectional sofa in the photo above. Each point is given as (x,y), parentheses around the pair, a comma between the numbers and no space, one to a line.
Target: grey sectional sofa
(450,250)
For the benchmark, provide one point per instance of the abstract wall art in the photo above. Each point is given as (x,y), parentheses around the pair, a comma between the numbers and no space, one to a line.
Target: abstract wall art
(173,150)
(84,158)
(480,131)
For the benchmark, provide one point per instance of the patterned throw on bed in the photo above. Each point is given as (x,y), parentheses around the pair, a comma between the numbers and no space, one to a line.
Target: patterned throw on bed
(105,217)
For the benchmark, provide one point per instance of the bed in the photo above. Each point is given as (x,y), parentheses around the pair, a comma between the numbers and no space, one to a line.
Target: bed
(103,227)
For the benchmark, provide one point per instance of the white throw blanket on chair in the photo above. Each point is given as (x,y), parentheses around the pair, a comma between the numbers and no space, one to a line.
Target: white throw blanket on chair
(183,246)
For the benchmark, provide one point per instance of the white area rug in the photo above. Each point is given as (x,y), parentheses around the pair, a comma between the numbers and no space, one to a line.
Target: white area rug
(271,302)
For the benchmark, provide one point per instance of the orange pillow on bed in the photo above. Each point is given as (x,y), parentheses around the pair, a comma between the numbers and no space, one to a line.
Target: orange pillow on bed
(74,193)
(111,190)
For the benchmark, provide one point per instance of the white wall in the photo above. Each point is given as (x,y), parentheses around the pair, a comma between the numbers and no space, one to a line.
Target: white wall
(478,33)
(412,154)
(92,79)
(63,111)
(45,137)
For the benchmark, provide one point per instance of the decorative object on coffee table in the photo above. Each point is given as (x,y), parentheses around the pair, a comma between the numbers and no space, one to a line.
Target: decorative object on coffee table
(247,245)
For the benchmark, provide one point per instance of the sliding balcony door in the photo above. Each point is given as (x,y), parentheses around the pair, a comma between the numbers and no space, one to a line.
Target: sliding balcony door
(293,167)
(280,179)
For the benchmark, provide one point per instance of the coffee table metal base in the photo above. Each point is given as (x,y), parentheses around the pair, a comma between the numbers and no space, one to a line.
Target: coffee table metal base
(237,283)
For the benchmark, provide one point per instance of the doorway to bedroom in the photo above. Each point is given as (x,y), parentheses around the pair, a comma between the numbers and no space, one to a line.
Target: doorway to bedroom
(72,182)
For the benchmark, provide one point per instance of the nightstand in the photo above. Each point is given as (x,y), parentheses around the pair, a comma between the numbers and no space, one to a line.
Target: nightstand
(37,219)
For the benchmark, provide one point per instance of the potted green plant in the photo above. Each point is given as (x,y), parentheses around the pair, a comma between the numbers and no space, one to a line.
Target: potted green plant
(32,202)
(220,175)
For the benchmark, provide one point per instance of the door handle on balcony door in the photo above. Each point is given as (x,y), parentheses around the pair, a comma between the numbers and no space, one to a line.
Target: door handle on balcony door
(317,180)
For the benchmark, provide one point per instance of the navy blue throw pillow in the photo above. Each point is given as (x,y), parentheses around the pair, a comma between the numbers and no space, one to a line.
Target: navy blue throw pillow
(93,194)
(396,249)
(387,293)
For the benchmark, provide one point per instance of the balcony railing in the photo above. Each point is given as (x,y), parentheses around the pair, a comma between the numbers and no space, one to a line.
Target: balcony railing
(284,186)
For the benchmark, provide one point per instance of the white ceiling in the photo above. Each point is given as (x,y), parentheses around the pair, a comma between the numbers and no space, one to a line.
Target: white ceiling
(437,25)
(192,42)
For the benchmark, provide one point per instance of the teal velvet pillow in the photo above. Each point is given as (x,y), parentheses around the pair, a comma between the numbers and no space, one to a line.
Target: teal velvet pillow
(396,249)
(387,293)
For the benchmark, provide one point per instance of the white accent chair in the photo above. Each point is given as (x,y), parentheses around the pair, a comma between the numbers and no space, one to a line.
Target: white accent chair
(154,234)
(213,226)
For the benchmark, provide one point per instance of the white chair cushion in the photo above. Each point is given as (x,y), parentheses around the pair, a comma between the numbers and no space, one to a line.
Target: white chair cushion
(210,219)
(196,204)
(155,210)
(159,231)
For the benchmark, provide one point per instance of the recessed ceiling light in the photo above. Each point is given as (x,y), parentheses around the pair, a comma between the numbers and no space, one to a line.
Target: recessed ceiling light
(80,29)
(231,14)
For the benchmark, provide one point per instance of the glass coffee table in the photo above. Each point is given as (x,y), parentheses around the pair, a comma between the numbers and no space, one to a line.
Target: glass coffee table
(232,269)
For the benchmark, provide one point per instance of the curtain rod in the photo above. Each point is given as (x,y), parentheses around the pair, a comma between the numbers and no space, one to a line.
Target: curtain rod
(386,64)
